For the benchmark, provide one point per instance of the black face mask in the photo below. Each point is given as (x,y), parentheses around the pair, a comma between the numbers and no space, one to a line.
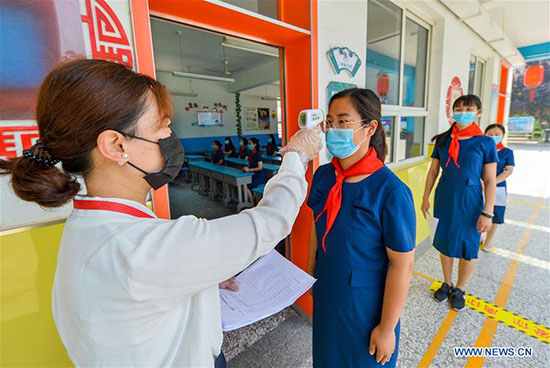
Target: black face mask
(172,151)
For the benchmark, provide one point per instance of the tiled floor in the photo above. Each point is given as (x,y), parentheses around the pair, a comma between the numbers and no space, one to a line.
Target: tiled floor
(289,343)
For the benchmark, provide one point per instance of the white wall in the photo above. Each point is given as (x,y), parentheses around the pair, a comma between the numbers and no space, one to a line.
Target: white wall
(344,23)
(340,23)
(209,93)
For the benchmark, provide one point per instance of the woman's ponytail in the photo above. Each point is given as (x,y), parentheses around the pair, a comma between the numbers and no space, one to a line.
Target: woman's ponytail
(35,178)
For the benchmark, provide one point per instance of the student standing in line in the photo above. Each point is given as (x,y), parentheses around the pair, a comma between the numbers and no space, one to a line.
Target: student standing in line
(218,157)
(230,148)
(505,168)
(244,152)
(271,148)
(466,157)
(361,247)
(255,165)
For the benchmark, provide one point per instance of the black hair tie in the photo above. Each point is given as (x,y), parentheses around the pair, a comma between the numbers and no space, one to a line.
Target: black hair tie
(40,154)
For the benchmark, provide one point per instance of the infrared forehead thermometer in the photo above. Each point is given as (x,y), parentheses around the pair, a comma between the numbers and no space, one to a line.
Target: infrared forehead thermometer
(311,118)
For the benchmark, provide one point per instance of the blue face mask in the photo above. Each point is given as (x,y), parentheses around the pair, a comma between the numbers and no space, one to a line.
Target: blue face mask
(497,138)
(241,144)
(250,147)
(464,118)
(214,147)
(270,140)
(340,142)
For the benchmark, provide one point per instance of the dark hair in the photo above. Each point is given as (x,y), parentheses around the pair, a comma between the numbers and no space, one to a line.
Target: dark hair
(466,100)
(499,126)
(245,141)
(218,144)
(229,146)
(77,101)
(368,105)
(256,142)
(272,136)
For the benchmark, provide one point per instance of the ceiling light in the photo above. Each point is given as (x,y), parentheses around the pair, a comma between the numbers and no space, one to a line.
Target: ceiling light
(251,47)
(203,77)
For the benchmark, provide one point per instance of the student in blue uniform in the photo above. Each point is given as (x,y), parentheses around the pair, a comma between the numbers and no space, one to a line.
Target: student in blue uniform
(217,153)
(271,148)
(243,149)
(230,148)
(255,165)
(361,247)
(466,157)
(505,167)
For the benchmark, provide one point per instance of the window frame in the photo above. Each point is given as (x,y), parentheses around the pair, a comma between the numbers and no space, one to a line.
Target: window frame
(398,111)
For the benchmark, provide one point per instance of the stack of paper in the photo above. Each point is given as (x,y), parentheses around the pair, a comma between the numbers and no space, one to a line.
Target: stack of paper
(269,285)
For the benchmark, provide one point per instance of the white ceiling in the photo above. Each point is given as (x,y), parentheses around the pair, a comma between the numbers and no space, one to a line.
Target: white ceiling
(202,51)
(525,22)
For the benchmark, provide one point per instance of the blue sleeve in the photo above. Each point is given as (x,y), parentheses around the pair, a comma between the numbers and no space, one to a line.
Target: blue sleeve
(510,158)
(399,220)
(316,193)
(491,154)
(259,157)
(435,153)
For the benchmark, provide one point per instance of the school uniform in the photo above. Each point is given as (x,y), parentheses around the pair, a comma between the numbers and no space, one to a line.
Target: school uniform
(505,158)
(244,153)
(376,213)
(459,196)
(218,155)
(229,148)
(271,149)
(132,289)
(259,176)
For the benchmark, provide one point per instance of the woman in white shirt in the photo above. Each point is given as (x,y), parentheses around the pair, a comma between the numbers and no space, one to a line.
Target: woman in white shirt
(132,289)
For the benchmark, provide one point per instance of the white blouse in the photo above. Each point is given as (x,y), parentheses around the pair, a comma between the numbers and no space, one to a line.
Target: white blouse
(132,291)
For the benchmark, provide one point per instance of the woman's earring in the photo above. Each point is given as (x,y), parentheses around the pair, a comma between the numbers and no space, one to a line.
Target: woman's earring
(121,163)
(124,155)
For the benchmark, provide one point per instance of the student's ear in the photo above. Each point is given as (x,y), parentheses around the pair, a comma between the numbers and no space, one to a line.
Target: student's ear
(478,114)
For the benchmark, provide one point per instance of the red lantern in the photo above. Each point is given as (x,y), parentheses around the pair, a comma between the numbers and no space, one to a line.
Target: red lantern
(383,85)
(533,77)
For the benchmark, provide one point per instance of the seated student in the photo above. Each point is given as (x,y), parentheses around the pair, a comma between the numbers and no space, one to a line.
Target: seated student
(272,148)
(217,155)
(243,151)
(255,165)
(229,148)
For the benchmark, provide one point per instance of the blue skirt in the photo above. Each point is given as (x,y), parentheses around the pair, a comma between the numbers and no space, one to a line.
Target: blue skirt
(499,214)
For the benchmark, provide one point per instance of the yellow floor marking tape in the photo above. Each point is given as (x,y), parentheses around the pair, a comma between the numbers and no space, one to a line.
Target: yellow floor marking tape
(527,225)
(522,203)
(527,326)
(520,257)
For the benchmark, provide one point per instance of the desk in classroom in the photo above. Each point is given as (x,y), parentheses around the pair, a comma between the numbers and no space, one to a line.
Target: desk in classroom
(230,177)
(186,160)
(275,160)
(239,163)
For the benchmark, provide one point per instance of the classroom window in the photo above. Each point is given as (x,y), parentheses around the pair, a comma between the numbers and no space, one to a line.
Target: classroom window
(383,50)
(414,72)
(475,76)
(398,44)
(389,126)
(411,137)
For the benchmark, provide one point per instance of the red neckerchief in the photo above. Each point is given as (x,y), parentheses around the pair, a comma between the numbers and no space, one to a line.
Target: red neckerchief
(268,147)
(109,206)
(250,158)
(367,165)
(500,146)
(471,131)
(241,152)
